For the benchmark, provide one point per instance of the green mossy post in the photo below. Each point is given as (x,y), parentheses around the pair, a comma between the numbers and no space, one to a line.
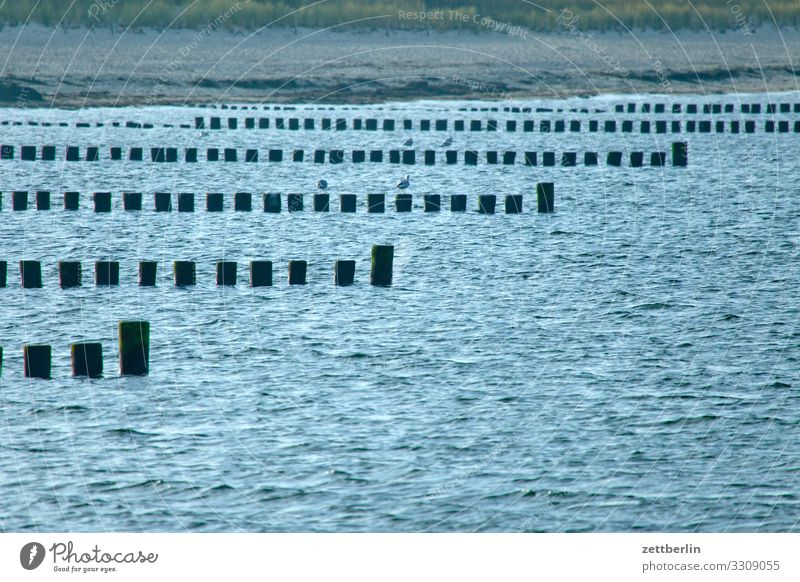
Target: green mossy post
(36,360)
(344,273)
(134,348)
(381,270)
(545,197)
(87,359)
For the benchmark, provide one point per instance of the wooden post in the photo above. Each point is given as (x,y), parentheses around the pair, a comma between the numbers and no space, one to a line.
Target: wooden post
(37,361)
(185,273)
(134,348)
(513,203)
(106,273)
(680,153)
(70,274)
(87,359)
(433,202)
(147,273)
(322,202)
(185,202)
(131,201)
(347,203)
(487,203)
(102,201)
(344,273)
(71,200)
(226,273)
(272,203)
(376,203)
(403,202)
(545,197)
(261,273)
(297,272)
(30,273)
(381,269)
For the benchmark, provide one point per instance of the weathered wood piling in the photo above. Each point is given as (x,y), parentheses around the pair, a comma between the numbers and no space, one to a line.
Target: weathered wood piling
(134,348)
(37,360)
(382,264)
(87,359)
(344,272)
(297,272)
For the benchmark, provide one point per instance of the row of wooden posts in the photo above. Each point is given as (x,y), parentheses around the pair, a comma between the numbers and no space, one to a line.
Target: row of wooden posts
(509,125)
(272,203)
(134,336)
(336,156)
(87,356)
(691,108)
(422,124)
(106,273)
(490,125)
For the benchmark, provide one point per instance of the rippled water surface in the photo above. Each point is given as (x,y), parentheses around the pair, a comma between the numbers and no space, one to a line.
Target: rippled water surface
(626,363)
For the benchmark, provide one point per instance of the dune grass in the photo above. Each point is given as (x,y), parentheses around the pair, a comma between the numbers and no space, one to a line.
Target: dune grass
(249,14)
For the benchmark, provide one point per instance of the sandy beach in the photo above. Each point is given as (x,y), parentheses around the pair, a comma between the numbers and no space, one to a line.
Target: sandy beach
(81,67)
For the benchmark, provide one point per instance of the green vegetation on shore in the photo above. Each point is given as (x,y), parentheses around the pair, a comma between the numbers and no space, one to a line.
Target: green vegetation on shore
(466,15)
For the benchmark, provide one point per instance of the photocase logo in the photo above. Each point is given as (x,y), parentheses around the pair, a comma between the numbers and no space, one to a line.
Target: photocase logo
(31,555)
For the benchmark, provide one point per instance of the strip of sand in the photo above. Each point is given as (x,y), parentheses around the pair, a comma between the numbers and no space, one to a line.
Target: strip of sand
(81,67)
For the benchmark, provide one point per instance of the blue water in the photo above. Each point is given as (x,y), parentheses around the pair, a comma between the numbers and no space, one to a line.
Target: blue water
(626,363)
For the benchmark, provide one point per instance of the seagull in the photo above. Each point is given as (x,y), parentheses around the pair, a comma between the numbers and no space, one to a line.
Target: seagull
(322,184)
(404,183)
(409,142)
(447,142)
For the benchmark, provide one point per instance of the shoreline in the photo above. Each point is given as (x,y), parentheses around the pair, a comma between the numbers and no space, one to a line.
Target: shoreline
(77,68)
